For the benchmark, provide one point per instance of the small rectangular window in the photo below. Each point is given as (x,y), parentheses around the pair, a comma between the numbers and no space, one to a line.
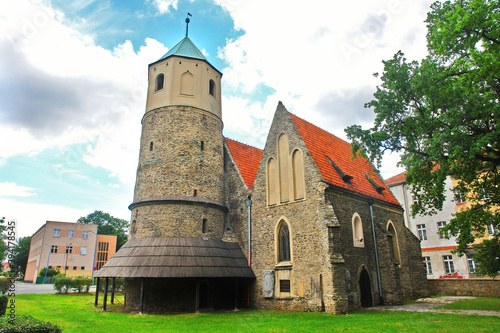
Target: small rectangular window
(284,286)
(459,196)
(71,233)
(74,268)
(428,266)
(82,268)
(53,249)
(57,233)
(471,262)
(85,235)
(422,233)
(83,250)
(69,249)
(448,264)
(440,225)
(492,229)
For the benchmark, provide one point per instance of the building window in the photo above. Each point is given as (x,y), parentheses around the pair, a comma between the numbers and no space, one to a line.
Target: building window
(71,233)
(195,193)
(211,87)
(459,196)
(69,249)
(422,233)
(391,232)
(151,146)
(357,231)
(428,266)
(284,286)
(50,267)
(448,264)
(204,226)
(440,225)
(74,268)
(53,249)
(202,145)
(471,262)
(160,78)
(283,242)
(85,235)
(57,233)
(492,229)
(82,268)
(83,250)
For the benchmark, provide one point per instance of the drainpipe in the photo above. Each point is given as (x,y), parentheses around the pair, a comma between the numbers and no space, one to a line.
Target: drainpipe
(370,203)
(248,201)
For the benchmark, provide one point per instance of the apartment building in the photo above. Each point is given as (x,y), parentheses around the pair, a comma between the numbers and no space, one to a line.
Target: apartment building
(436,249)
(74,248)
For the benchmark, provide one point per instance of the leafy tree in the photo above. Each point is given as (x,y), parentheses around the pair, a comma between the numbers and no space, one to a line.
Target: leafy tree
(3,238)
(108,225)
(442,116)
(20,254)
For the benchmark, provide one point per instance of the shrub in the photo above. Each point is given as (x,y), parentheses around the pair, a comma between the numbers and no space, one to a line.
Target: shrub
(27,324)
(82,284)
(3,304)
(63,284)
(50,272)
(4,284)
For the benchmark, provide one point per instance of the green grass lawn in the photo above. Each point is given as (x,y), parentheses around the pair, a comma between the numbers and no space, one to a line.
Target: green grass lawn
(480,303)
(76,313)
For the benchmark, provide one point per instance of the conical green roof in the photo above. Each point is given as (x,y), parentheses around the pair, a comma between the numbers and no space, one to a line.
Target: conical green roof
(185,48)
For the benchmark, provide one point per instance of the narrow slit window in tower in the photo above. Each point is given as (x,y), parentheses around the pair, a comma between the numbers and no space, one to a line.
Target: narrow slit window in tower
(211,88)
(195,193)
(202,145)
(151,146)
(204,226)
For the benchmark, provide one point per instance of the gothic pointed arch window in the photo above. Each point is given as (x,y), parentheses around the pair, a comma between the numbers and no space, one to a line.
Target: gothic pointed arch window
(298,175)
(357,231)
(159,81)
(187,84)
(272,182)
(283,154)
(393,240)
(284,253)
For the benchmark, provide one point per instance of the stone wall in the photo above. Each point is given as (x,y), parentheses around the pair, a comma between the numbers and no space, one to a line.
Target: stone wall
(309,271)
(465,287)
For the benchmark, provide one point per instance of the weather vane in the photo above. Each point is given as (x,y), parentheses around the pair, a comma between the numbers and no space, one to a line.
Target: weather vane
(187,22)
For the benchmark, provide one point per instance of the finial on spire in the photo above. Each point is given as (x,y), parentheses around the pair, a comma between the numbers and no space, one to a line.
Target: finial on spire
(187,23)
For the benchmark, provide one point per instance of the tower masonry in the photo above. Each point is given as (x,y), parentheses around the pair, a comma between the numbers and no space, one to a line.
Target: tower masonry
(179,189)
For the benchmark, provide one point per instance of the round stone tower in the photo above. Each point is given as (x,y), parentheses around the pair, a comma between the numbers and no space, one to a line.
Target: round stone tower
(179,190)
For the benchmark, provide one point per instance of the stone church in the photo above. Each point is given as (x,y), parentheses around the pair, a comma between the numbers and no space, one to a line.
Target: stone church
(217,224)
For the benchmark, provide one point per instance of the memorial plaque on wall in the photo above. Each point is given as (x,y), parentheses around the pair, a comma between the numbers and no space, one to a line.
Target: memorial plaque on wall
(268,283)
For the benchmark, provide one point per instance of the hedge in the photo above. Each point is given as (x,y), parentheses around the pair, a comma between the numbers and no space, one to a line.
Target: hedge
(65,284)
(3,304)
(5,284)
(27,324)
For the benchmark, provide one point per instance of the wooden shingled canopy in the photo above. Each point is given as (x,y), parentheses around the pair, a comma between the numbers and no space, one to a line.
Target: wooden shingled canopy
(176,257)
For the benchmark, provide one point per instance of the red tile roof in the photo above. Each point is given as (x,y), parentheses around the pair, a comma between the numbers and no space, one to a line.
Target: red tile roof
(396,179)
(322,145)
(247,160)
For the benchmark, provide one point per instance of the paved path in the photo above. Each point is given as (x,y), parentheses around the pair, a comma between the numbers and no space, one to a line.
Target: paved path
(29,288)
(430,304)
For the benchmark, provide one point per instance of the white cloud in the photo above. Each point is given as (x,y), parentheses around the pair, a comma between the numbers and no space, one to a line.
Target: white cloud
(31,216)
(9,189)
(163,6)
(100,94)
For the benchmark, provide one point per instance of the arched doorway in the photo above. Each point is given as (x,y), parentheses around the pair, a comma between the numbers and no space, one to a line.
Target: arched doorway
(365,289)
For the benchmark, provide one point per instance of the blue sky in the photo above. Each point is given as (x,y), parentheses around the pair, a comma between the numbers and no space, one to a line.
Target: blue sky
(73,83)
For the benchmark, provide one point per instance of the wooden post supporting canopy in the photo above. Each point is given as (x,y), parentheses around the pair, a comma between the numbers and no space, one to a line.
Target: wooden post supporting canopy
(142,295)
(97,292)
(113,291)
(197,301)
(106,285)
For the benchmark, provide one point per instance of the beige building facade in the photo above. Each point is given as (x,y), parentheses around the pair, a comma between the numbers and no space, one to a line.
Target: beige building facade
(68,247)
